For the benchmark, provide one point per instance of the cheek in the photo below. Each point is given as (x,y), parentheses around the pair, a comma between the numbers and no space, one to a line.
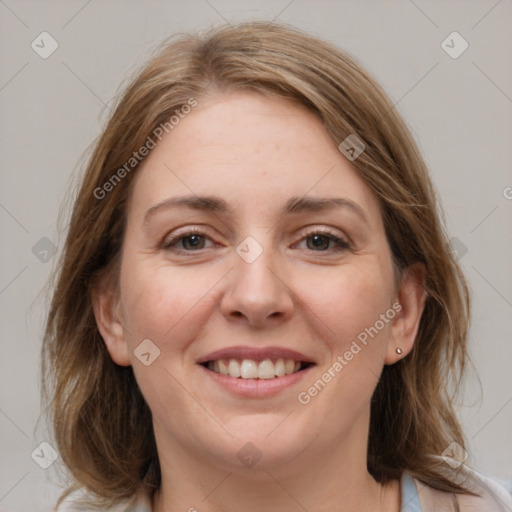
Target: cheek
(354,304)
(348,300)
(163,303)
(167,306)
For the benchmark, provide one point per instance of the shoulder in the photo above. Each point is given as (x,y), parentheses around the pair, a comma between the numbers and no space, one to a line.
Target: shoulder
(489,496)
(74,505)
(76,502)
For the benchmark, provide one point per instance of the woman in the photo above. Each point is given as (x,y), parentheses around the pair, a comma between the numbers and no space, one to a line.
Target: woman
(257,305)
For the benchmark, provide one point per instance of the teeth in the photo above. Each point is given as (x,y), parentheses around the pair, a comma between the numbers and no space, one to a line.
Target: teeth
(250,369)
(279,368)
(289,366)
(223,367)
(266,369)
(233,368)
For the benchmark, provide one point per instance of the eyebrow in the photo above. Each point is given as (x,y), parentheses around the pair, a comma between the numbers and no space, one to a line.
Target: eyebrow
(294,205)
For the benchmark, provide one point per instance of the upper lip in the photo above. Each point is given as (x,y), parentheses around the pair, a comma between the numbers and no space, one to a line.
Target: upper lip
(256,354)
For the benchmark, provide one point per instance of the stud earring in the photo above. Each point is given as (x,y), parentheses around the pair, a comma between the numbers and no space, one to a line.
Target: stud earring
(399,350)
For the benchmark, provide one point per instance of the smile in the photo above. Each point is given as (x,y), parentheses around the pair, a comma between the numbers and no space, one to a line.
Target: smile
(252,369)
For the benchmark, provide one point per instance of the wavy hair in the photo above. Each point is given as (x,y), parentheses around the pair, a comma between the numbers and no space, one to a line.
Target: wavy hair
(101,423)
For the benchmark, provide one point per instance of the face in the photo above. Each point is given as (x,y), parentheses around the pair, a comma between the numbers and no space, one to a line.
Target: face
(253,246)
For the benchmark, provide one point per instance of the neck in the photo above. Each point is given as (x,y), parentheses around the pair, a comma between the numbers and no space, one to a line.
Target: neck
(315,480)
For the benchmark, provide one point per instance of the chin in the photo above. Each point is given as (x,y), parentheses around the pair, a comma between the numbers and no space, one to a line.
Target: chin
(262,442)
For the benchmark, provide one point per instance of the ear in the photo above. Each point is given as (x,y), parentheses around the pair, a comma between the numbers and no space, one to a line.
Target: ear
(411,297)
(107,312)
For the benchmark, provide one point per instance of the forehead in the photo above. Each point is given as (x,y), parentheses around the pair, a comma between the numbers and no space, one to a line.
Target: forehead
(255,151)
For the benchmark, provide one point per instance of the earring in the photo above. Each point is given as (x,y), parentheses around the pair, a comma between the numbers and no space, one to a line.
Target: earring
(399,350)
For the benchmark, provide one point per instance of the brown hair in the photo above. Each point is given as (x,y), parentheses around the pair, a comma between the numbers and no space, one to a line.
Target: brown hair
(101,422)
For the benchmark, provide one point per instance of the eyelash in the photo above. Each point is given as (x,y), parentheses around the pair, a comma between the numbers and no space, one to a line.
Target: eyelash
(340,243)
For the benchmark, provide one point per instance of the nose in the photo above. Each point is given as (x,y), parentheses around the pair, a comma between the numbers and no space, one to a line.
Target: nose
(256,294)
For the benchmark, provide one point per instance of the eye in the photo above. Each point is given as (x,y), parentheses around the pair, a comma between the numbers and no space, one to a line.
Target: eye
(323,241)
(187,241)
(191,240)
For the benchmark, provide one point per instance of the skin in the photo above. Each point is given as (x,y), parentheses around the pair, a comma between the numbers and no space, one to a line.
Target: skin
(256,153)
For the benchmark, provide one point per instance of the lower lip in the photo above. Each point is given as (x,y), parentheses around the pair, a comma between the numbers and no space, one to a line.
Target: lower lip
(256,388)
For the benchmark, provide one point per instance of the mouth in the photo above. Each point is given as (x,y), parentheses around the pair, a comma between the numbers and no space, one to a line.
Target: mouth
(264,369)
(256,372)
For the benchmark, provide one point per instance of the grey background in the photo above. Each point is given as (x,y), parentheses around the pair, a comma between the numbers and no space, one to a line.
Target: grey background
(52,109)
